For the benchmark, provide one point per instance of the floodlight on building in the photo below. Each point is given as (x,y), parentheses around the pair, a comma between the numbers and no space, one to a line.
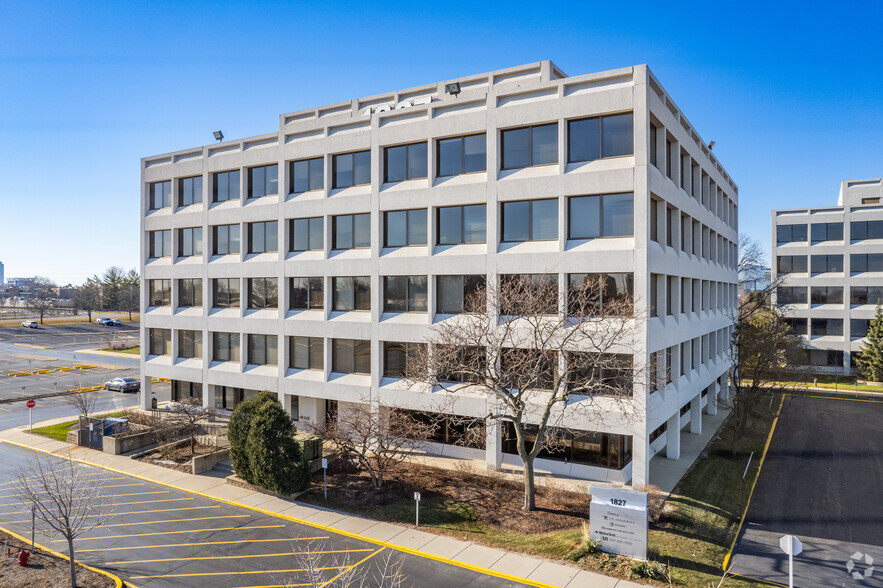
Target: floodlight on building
(453,88)
(218,135)
(711,145)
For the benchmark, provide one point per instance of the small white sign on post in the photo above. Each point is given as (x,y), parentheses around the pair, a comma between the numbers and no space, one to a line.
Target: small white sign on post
(325,476)
(792,546)
(618,517)
(417,504)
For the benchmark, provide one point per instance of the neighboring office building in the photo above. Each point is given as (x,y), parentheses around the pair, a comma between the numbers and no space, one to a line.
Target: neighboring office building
(274,262)
(2,283)
(830,260)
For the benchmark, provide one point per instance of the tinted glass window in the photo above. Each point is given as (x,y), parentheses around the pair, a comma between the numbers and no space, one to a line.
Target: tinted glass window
(306,293)
(610,215)
(189,191)
(617,135)
(160,193)
(263,181)
(530,220)
(352,231)
(529,146)
(352,169)
(790,233)
(461,224)
(225,186)
(351,293)
(405,227)
(307,174)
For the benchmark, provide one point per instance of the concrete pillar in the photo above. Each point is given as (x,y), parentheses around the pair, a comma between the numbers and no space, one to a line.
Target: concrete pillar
(673,437)
(696,415)
(208,396)
(146,391)
(640,459)
(725,387)
(711,406)
(493,453)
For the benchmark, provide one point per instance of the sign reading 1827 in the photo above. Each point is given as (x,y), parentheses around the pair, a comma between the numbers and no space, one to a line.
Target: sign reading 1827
(618,517)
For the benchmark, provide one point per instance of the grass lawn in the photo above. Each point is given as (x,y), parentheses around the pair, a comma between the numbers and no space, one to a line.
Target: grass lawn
(59,431)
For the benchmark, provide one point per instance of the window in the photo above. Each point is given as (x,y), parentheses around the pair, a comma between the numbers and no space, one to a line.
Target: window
(528,293)
(160,292)
(791,264)
(307,234)
(351,293)
(456,294)
(610,215)
(306,294)
(824,357)
(225,292)
(786,295)
(263,293)
(530,220)
(609,374)
(820,264)
(404,162)
(404,227)
(225,346)
(404,294)
(669,158)
(825,327)
(826,295)
(160,243)
(397,355)
(190,242)
(790,234)
(827,232)
(866,295)
(858,328)
(606,450)
(226,239)
(671,223)
(351,356)
(307,175)
(870,201)
(590,294)
(654,219)
(654,294)
(462,155)
(307,353)
(864,262)
(599,137)
(451,430)
(351,169)
(460,364)
(654,142)
(189,292)
(528,146)
(160,193)
(189,191)
(861,230)
(263,237)
(528,368)
(462,224)
(182,390)
(671,292)
(189,344)
(160,341)
(262,350)
(225,186)
(352,231)
(263,181)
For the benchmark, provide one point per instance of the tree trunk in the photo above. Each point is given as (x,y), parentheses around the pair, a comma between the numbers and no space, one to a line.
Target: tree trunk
(529,493)
(70,552)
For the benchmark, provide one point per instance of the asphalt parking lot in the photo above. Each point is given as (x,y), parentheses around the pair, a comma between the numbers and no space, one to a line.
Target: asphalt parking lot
(82,335)
(821,481)
(159,537)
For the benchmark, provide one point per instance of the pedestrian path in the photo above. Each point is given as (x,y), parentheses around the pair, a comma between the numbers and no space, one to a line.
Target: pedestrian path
(509,565)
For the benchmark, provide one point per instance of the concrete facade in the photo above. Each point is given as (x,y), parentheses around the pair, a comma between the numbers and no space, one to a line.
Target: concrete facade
(681,255)
(831,308)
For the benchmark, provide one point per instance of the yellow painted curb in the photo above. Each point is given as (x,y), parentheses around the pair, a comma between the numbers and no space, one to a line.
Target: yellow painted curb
(326,528)
(116,579)
(754,483)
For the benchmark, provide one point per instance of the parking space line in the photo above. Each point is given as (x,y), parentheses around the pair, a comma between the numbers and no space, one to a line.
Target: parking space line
(252,556)
(147,522)
(126,494)
(111,504)
(104,487)
(195,544)
(240,574)
(135,512)
(170,533)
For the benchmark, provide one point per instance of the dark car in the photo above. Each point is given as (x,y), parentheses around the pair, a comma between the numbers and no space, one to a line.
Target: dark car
(123,385)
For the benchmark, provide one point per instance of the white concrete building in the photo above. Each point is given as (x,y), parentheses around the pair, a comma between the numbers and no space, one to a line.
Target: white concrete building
(830,261)
(302,261)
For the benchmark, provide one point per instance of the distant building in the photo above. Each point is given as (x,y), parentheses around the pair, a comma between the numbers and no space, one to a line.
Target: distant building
(830,260)
(20,282)
(1,274)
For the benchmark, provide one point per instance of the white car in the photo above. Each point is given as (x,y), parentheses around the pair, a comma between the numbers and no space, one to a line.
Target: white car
(30,324)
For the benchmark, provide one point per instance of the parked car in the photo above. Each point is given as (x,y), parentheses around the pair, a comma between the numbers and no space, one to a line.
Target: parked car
(30,324)
(103,321)
(114,323)
(123,385)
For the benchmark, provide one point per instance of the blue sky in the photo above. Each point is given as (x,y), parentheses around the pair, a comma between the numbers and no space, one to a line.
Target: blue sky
(792,92)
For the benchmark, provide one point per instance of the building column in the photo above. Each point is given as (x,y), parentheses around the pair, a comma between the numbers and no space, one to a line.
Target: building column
(724,386)
(711,406)
(696,415)
(146,391)
(640,460)
(493,453)
(208,396)
(673,437)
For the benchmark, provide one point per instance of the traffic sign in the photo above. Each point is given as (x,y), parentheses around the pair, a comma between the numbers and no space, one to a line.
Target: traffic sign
(791,545)
(325,462)
(31,404)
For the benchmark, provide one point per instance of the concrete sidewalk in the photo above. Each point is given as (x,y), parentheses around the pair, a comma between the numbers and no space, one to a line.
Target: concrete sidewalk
(528,569)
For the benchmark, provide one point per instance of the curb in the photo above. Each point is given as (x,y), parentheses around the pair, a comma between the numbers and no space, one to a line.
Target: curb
(417,552)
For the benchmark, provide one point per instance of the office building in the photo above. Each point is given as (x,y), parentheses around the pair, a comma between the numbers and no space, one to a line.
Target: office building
(304,261)
(829,261)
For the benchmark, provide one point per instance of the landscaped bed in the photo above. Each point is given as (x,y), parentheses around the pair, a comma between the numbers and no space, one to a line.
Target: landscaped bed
(177,458)
(43,570)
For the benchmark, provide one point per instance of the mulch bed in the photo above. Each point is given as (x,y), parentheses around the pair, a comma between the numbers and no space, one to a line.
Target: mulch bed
(179,458)
(43,571)
(496,501)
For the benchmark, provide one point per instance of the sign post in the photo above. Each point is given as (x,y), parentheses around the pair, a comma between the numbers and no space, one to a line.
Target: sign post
(325,476)
(31,405)
(33,525)
(619,520)
(417,501)
(792,546)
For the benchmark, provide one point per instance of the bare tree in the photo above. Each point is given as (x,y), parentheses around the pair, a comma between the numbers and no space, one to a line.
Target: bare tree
(185,417)
(42,297)
(377,439)
(88,297)
(63,498)
(82,402)
(384,570)
(544,358)
(129,296)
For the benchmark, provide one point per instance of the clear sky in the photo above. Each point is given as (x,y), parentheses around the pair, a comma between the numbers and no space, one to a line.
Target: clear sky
(792,92)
